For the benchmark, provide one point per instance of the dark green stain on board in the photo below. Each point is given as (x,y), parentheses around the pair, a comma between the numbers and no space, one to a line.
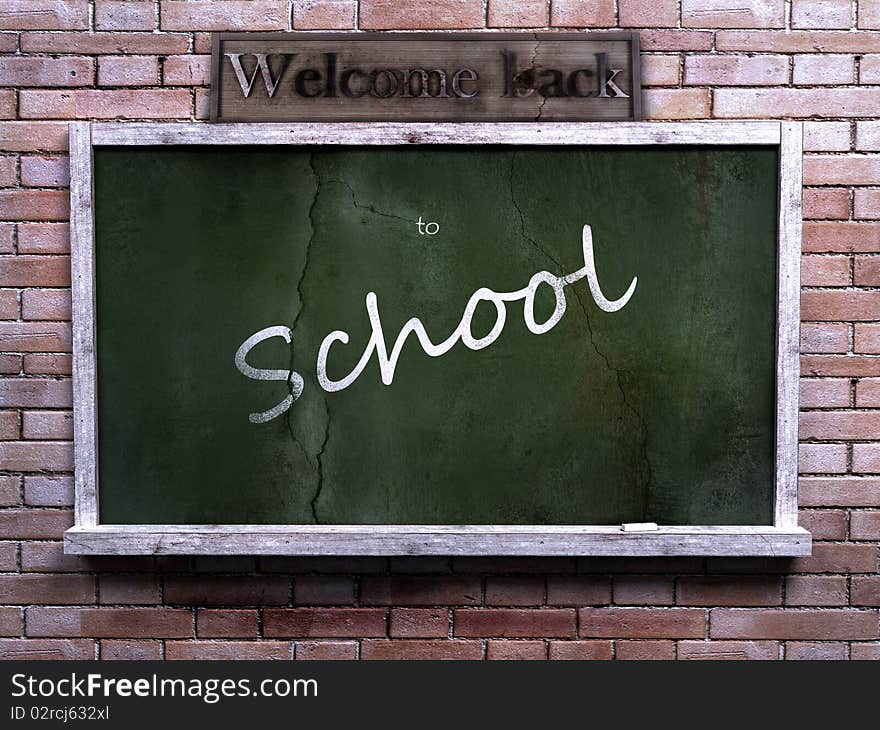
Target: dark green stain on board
(662,411)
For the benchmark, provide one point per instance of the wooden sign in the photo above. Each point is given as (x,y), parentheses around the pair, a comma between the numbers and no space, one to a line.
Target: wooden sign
(284,77)
(436,339)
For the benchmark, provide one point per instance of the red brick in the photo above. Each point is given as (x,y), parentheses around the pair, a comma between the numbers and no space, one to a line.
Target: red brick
(656,14)
(865,525)
(824,338)
(578,590)
(580,650)
(225,650)
(815,650)
(822,458)
(325,564)
(866,459)
(650,650)
(869,69)
(31,649)
(326,650)
(865,590)
(676,40)
(823,70)
(675,103)
(641,565)
(323,590)
(36,455)
(121,649)
(850,492)
(45,172)
(419,564)
(517,623)
(160,44)
(511,565)
(212,623)
(420,14)
(834,366)
(722,14)
(226,590)
(125,15)
(827,136)
(660,70)
(9,428)
(419,623)
(132,588)
(866,338)
(735,70)
(43,238)
(223,15)
(186,71)
(10,364)
(838,558)
(7,235)
(419,591)
(28,588)
(828,203)
(824,393)
(506,650)
(866,205)
(758,103)
(515,591)
(642,623)
(8,177)
(582,13)
(865,652)
(323,14)
(841,170)
(32,392)
(47,364)
(643,590)
(824,524)
(34,205)
(808,625)
(39,336)
(113,623)
(8,304)
(10,621)
(727,650)
(105,104)
(324,622)
(32,136)
(46,304)
(832,236)
(10,491)
(821,14)
(128,71)
(424,649)
(815,590)
(798,41)
(729,591)
(45,14)
(517,13)
(839,425)
(869,14)
(49,557)
(36,71)
(8,556)
(868,139)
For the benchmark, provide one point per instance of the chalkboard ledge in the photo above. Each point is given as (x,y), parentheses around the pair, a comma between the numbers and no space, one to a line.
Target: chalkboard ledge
(435,540)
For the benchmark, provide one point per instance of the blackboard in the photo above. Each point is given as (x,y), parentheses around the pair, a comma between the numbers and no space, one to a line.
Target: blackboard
(659,405)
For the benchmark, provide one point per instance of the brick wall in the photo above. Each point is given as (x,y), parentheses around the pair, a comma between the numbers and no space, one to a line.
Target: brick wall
(817,60)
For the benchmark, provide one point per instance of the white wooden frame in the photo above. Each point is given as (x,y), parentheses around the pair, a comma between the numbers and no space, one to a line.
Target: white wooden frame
(90,537)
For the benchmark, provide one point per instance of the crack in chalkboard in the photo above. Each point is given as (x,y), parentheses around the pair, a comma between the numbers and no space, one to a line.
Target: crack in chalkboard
(643,426)
(313,229)
(370,208)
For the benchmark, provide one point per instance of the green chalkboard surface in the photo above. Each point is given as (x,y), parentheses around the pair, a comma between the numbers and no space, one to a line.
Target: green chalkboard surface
(661,411)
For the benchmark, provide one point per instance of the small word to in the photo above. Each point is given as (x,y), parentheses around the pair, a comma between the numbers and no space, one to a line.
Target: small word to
(329,79)
(388,362)
(432,228)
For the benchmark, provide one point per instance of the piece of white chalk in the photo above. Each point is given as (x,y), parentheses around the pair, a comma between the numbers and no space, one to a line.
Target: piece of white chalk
(639,527)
